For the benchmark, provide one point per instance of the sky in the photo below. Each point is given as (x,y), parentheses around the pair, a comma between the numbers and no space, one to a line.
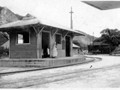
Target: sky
(85,18)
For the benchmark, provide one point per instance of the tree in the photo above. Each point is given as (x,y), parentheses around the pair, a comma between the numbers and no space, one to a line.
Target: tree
(110,36)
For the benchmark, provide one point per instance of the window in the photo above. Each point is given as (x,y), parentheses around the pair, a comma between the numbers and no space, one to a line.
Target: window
(23,38)
(58,39)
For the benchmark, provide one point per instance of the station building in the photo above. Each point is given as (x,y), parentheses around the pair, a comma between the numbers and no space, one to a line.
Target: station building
(32,38)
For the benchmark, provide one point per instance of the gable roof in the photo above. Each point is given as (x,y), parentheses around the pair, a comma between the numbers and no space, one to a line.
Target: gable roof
(21,23)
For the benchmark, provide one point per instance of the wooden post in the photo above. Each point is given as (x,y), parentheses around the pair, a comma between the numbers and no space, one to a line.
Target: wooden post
(38,45)
(52,40)
(51,43)
(39,41)
(71,46)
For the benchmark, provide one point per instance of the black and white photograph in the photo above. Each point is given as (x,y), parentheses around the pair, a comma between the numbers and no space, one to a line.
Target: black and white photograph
(71,44)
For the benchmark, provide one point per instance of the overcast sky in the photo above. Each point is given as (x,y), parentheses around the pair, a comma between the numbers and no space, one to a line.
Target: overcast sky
(85,18)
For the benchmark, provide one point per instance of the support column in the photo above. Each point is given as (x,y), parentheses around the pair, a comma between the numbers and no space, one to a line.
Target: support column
(39,49)
(51,44)
(52,40)
(71,46)
(39,41)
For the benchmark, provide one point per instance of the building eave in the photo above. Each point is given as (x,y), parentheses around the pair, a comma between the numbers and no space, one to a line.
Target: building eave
(22,23)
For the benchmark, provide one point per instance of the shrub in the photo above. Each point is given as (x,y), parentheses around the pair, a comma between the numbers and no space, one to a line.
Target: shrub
(4,51)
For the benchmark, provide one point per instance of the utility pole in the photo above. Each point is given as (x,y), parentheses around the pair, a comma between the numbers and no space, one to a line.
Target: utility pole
(71,21)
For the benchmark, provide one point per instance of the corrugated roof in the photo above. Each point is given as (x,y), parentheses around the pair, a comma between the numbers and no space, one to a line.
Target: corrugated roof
(36,21)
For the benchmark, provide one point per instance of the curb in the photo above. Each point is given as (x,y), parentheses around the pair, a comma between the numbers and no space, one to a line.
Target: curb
(44,68)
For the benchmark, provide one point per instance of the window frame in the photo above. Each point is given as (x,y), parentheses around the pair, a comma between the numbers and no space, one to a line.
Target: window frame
(17,38)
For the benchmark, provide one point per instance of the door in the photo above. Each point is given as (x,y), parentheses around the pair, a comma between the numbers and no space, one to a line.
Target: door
(45,44)
(68,45)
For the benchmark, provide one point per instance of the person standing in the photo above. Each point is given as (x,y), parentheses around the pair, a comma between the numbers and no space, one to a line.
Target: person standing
(54,50)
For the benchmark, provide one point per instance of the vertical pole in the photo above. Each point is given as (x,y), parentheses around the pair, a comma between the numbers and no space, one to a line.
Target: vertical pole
(38,45)
(71,21)
(39,41)
(51,43)
(71,46)
(71,26)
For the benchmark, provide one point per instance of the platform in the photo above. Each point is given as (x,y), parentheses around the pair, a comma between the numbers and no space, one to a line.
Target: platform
(9,68)
(42,63)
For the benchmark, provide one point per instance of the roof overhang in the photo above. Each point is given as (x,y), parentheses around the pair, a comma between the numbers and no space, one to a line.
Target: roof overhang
(104,5)
(22,23)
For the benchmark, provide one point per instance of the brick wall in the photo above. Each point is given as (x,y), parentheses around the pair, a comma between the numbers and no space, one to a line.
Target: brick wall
(23,50)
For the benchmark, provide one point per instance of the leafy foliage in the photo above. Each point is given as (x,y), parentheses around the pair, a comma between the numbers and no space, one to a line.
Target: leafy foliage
(3,38)
(4,51)
(109,40)
(109,36)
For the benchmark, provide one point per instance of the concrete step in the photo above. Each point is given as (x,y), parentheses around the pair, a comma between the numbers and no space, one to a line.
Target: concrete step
(15,67)
(41,63)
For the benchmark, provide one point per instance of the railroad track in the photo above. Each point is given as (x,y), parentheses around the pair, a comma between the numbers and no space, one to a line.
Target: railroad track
(38,80)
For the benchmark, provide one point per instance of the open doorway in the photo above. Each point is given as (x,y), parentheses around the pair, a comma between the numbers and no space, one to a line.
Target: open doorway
(67,39)
(45,44)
